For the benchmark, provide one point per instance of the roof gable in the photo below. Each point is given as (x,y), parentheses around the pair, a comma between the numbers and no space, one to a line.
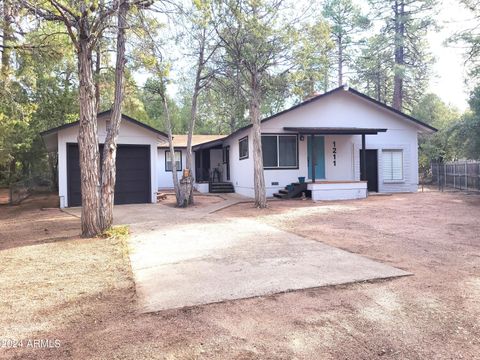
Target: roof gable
(359,94)
(103,113)
(369,100)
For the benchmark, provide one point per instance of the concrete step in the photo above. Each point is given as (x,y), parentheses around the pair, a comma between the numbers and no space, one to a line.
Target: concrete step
(221,187)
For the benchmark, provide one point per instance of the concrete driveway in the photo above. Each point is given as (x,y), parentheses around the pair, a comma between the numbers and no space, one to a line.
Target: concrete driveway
(184,258)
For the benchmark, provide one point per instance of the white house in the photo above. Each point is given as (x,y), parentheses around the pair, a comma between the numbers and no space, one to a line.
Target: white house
(341,143)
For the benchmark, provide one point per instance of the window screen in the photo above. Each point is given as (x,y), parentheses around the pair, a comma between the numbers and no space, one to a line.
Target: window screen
(243,148)
(287,147)
(269,150)
(168,160)
(392,164)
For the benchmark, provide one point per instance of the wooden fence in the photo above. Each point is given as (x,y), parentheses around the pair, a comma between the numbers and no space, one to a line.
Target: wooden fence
(462,175)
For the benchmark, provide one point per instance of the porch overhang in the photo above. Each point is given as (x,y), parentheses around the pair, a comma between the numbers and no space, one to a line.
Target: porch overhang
(313,131)
(334,131)
(209,145)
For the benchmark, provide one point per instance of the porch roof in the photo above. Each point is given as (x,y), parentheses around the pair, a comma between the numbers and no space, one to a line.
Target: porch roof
(209,144)
(334,131)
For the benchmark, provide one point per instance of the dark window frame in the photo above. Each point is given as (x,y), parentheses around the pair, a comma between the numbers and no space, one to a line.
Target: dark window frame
(278,167)
(224,153)
(240,157)
(181,165)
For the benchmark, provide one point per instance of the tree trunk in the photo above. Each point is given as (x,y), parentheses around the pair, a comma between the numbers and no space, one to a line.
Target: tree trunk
(88,142)
(12,171)
(399,11)
(168,124)
(340,61)
(259,178)
(378,87)
(98,64)
(7,39)
(191,127)
(193,116)
(110,147)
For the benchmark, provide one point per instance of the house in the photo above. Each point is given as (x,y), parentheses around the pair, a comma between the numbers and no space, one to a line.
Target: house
(344,143)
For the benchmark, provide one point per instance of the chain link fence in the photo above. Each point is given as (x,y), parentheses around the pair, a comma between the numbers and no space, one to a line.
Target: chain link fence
(461,175)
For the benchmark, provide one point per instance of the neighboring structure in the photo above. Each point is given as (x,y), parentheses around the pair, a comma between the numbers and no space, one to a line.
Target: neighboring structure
(339,142)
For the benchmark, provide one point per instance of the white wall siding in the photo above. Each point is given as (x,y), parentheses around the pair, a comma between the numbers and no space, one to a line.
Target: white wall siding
(241,171)
(165,179)
(396,140)
(343,170)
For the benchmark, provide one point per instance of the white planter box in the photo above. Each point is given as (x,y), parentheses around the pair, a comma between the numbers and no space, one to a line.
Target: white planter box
(202,187)
(343,190)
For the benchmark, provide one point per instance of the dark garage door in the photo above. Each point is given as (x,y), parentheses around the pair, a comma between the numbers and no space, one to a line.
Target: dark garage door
(132,178)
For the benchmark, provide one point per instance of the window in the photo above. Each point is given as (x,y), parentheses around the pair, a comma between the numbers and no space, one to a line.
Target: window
(225,154)
(168,160)
(107,125)
(280,151)
(243,148)
(270,151)
(392,165)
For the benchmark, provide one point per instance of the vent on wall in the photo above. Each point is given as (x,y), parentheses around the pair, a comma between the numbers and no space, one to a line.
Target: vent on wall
(274,183)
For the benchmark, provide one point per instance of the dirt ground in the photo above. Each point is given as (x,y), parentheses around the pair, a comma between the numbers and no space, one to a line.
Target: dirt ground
(57,286)
(199,200)
(4,196)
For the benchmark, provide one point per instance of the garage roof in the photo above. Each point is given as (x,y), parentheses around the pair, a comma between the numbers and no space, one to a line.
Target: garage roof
(50,137)
(124,117)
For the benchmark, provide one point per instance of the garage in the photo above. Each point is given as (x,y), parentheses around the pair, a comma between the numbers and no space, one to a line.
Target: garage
(137,159)
(132,176)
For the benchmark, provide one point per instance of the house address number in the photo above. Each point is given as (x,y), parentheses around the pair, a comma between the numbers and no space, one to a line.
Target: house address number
(334,153)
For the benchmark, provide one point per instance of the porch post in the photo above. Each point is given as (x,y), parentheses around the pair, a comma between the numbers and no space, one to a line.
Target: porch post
(363,170)
(314,158)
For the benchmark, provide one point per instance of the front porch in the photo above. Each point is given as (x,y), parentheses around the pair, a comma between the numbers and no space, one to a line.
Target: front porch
(324,190)
(334,163)
(212,168)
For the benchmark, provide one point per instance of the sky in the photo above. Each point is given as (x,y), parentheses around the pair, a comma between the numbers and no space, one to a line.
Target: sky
(449,77)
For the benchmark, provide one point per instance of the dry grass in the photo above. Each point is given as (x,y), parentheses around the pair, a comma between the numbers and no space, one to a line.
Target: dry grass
(55,289)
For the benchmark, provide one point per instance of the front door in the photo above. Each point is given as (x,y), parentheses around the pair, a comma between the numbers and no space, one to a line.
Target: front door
(202,165)
(318,146)
(372,169)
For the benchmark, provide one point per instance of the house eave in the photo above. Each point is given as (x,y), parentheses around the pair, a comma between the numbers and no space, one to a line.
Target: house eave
(334,131)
